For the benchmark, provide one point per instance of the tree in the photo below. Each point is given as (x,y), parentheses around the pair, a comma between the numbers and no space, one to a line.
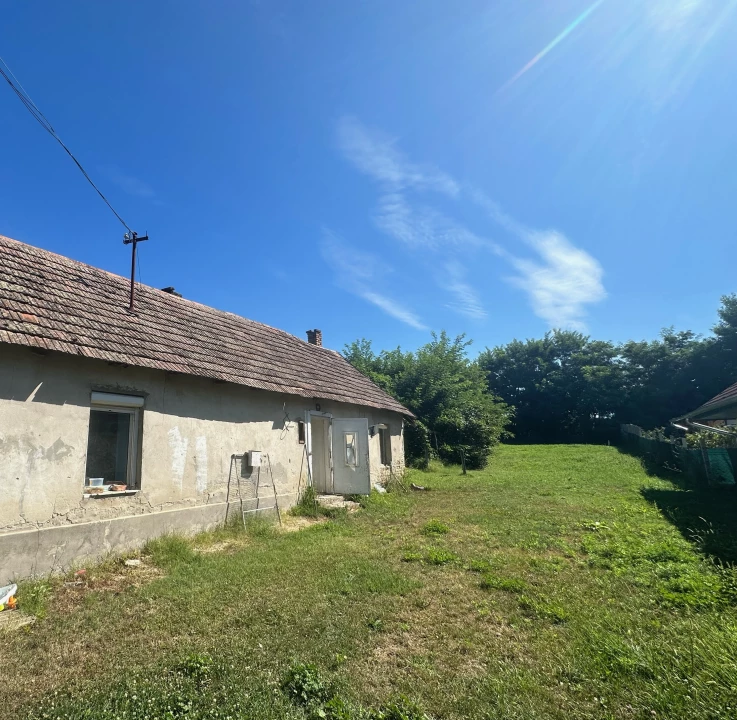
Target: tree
(661,378)
(564,387)
(445,390)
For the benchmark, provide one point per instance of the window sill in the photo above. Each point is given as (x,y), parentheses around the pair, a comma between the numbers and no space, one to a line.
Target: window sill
(110,494)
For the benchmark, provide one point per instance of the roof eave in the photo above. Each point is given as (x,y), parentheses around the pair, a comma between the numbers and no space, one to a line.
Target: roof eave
(699,413)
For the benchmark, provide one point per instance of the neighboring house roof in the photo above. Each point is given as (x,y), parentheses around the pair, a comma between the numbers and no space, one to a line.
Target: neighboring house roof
(723,399)
(52,302)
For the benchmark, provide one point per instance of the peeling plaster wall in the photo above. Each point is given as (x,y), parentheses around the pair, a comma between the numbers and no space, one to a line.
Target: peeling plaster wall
(190,429)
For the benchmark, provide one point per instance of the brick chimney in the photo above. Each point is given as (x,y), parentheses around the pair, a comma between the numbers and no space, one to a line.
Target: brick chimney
(314,337)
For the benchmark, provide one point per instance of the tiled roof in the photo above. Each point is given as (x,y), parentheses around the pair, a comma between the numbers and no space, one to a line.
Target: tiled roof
(51,302)
(725,397)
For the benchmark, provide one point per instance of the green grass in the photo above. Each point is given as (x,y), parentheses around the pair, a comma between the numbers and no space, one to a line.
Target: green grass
(561,582)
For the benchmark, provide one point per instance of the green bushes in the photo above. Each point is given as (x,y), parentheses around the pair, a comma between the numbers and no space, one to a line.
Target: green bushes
(446,391)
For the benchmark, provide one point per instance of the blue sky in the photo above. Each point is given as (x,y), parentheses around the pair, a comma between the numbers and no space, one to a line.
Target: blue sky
(380,169)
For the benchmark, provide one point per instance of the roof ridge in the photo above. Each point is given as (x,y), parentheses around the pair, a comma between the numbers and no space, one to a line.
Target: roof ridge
(173,298)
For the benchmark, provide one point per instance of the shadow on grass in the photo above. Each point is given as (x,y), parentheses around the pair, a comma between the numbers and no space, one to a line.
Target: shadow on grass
(705,516)
(663,468)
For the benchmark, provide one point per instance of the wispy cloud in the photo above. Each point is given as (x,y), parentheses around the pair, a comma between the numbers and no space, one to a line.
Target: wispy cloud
(129,184)
(358,273)
(375,155)
(566,281)
(561,280)
(417,226)
(467,301)
(420,226)
(564,284)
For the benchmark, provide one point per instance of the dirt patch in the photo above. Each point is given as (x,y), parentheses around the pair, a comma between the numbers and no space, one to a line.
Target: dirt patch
(71,592)
(291,523)
(14,620)
(227,547)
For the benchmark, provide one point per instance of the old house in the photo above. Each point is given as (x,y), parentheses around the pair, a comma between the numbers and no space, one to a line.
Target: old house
(119,425)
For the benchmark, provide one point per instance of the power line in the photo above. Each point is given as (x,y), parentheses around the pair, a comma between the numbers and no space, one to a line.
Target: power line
(40,118)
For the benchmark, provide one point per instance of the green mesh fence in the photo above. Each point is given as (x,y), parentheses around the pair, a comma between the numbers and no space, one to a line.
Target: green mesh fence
(708,466)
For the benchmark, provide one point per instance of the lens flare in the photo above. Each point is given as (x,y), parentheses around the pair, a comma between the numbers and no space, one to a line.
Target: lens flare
(550,46)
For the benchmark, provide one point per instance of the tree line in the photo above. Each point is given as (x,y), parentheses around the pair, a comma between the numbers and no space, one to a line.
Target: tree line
(563,387)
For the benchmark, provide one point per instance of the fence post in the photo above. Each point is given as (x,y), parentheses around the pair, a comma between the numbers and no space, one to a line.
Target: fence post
(463,461)
(705,459)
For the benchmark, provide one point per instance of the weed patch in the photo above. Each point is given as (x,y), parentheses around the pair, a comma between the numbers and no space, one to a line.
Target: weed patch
(307,505)
(439,556)
(435,527)
(305,687)
(34,597)
(494,582)
(542,610)
(170,551)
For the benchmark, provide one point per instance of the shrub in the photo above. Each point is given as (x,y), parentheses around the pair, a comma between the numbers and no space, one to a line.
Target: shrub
(417,446)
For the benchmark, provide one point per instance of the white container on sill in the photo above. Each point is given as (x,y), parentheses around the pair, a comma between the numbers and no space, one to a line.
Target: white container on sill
(96,482)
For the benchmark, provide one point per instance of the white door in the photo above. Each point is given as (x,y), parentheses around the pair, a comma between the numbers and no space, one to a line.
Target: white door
(351,473)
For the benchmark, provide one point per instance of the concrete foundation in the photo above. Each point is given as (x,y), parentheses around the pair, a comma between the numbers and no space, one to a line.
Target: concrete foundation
(48,550)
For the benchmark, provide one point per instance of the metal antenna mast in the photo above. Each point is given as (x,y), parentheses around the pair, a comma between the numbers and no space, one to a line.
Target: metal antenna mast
(131,238)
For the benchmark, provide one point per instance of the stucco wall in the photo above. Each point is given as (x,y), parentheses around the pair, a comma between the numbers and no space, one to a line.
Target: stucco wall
(190,429)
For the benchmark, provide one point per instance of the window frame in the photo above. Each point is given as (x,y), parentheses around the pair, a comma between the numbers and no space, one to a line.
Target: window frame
(385,446)
(354,434)
(122,405)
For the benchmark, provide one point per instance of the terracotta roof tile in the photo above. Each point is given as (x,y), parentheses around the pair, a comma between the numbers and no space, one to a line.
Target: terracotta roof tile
(50,301)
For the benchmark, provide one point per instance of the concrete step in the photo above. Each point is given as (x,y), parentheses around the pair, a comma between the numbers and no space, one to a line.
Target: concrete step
(336,501)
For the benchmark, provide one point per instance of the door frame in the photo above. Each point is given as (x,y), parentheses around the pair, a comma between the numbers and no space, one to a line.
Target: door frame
(347,482)
(308,441)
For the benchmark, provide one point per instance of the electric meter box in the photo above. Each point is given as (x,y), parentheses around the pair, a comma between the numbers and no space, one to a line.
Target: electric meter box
(254,458)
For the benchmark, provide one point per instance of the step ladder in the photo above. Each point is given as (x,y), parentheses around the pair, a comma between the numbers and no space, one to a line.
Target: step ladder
(258,487)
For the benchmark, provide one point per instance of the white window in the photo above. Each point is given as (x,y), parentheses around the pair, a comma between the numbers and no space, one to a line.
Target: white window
(351,449)
(385,445)
(112,445)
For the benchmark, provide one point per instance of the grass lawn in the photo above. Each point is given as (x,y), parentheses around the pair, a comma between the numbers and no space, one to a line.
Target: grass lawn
(561,582)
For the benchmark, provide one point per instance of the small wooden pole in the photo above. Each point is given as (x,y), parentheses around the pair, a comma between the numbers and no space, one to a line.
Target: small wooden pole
(463,460)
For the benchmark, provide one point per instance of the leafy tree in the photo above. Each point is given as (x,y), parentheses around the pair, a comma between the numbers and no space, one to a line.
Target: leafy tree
(661,378)
(446,390)
(564,387)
